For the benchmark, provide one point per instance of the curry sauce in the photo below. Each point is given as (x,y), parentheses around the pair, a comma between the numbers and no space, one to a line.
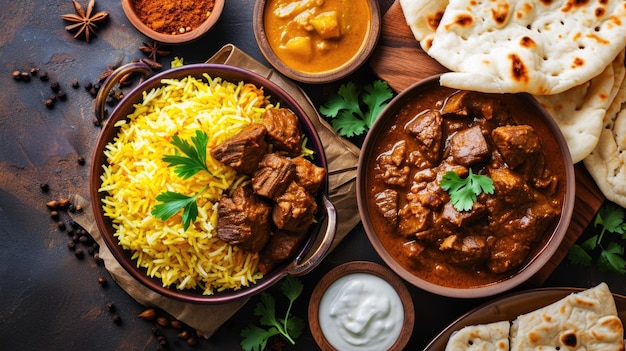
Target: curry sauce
(313,36)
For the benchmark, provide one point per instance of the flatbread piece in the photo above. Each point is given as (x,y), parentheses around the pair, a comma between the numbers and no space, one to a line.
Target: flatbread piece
(581,321)
(483,337)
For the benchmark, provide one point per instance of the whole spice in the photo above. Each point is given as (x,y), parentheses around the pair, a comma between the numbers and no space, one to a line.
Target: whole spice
(173,17)
(84,21)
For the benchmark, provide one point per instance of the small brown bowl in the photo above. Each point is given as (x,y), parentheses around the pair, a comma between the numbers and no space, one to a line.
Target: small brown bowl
(336,285)
(184,38)
(400,245)
(313,68)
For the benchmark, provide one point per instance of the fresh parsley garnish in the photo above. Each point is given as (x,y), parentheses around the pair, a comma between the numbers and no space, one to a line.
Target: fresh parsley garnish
(345,107)
(463,192)
(187,165)
(611,256)
(289,327)
(172,202)
(194,160)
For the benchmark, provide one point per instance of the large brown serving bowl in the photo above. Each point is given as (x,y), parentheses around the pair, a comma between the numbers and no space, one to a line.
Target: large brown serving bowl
(320,235)
(394,248)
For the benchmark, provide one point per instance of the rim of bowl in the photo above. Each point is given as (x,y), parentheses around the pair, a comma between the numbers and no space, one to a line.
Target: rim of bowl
(365,51)
(362,267)
(129,9)
(109,130)
(520,275)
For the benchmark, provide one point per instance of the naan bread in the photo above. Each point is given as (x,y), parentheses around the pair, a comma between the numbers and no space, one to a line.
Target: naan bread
(581,321)
(579,112)
(483,337)
(535,46)
(607,162)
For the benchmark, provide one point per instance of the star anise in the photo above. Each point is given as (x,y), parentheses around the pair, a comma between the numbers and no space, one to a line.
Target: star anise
(84,21)
(153,50)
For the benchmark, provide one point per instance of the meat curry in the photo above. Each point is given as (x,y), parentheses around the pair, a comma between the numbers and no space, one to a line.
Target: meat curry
(444,131)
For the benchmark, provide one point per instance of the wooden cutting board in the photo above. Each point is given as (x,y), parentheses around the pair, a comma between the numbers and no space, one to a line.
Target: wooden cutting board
(401,62)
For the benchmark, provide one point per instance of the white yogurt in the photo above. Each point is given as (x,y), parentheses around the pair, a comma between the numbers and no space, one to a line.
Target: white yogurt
(361,312)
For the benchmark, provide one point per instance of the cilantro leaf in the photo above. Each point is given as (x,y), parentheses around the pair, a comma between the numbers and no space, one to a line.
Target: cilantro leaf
(289,327)
(345,108)
(172,202)
(612,259)
(610,219)
(578,255)
(255,338)
(194,160)
(463,192)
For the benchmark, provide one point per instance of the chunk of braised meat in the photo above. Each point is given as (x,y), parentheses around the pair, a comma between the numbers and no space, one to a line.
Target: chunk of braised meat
(281,246)
(308,175)
(294,209)
(283,130)
(454,218)
(427,130)
(244,150)
(413,249)
(387,204)
(469,146)
(244,220)
(273,176)
(518,144)
(510,187)
(465,250)
(412,218)
(516,237)
(394,171)
(472,104)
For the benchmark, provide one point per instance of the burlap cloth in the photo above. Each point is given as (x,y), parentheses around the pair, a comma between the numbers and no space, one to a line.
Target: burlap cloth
(342,157)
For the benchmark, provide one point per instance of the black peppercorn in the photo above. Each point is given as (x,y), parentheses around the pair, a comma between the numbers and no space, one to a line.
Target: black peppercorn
(61,225)
(55,86)
(49,103)
(54,214)
(25,76)
(71,245)
(75,84)
(87,85)
(44,187)
(62,95)
(110,307)
(102,281)
(43,76)
(81,161)
(34,71)
(79,253)
(117,319)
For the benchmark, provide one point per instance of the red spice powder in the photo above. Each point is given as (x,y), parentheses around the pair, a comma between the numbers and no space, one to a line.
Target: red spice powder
(173,16)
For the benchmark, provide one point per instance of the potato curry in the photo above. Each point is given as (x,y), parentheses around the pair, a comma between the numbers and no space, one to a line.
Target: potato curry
(314,36)
(459,131)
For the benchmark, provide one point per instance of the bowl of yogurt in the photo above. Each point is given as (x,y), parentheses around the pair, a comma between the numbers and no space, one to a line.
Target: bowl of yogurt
(361,306)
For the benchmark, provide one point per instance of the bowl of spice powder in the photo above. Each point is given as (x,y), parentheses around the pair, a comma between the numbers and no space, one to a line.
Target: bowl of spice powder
(173,21)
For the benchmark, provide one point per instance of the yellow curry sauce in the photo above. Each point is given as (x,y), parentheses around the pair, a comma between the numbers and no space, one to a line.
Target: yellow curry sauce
(313,36)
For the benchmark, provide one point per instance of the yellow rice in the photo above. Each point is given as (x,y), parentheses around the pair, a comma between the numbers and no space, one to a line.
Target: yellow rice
(136,174)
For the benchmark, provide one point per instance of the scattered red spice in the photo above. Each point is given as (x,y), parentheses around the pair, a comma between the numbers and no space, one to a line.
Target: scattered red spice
(173,16)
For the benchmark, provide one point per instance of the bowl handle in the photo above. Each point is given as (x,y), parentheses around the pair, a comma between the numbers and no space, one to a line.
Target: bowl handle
(112,80)
(299,267)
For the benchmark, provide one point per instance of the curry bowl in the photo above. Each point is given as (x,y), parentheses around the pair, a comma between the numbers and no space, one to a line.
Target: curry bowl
(465,194)
(184,255)
(159,29)
(316,43)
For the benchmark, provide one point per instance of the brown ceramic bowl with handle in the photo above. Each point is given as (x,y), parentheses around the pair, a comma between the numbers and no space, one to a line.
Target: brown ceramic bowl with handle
(178,38)
(298,42)
(422,236)
(319,236)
